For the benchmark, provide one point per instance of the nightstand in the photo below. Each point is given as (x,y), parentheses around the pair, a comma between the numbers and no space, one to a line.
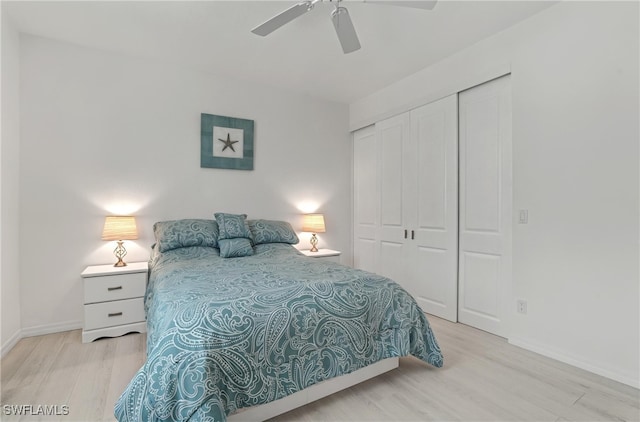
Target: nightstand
(114,300)
(324,254)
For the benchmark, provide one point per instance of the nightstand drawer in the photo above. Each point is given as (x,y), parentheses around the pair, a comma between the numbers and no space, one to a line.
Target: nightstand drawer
(114,287)
(108,314)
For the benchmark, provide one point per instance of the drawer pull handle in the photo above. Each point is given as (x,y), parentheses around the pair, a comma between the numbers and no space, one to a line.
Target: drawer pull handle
(115,314)
(110,289)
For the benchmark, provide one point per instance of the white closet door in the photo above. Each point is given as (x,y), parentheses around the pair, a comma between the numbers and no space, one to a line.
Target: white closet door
(433,241)
(393,140)
(365,203)
(485,205)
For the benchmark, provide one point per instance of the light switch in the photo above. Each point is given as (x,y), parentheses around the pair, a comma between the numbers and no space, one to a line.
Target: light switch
(524,217)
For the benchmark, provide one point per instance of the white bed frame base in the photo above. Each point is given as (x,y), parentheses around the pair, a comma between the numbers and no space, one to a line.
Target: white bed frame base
(313,393)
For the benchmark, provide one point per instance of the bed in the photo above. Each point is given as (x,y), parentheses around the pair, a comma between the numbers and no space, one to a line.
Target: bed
(229,333)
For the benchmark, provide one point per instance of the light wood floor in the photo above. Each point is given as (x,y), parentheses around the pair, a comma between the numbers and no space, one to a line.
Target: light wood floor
(484,379)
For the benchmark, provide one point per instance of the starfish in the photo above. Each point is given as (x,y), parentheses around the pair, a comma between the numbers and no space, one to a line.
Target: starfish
(228,143)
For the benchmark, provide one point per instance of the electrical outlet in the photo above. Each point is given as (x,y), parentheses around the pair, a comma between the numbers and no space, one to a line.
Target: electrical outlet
(522,306)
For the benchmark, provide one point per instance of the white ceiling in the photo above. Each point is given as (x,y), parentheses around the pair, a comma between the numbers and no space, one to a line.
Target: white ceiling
(303,56)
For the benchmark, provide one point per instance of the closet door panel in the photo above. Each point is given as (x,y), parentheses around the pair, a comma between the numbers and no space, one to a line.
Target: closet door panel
(485,205)
(365,254)
(391,160)
(481,298)
(393,143)
(365,205)
(432,168)
(392,257)
(430,290)
(433,263)
(482,164)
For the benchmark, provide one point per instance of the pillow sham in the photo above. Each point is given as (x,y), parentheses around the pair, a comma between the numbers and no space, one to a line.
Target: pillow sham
(235,248)
(272,231)
(183,233)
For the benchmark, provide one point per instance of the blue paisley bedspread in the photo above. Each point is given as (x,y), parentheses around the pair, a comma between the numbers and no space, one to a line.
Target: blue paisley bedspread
(228,333)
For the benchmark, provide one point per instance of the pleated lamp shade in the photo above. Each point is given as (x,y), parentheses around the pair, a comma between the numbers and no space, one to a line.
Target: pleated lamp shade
(313,223)
(120,228)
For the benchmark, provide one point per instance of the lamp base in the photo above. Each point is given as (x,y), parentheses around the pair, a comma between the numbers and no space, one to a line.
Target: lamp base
(314,243)
(120,252)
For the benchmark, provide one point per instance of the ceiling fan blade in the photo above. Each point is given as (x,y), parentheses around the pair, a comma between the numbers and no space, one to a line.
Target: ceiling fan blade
(345,30)
(418,4)
(285,17)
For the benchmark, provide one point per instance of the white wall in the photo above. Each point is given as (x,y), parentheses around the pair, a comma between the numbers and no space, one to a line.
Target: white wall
(103,133)
(575,158)
(9,198)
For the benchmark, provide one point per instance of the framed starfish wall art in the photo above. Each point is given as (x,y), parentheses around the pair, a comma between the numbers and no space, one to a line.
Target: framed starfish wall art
(226,142)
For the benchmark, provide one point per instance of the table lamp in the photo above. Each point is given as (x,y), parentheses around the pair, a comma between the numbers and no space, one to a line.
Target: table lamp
(120,228)
(313,223)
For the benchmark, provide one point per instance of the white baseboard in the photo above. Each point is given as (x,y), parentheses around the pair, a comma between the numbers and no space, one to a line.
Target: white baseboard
(38,330)
(578,362)
(8,345)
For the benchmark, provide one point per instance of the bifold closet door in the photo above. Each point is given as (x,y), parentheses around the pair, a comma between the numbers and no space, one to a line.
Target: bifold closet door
(405,203)
(485,205)
(432,181)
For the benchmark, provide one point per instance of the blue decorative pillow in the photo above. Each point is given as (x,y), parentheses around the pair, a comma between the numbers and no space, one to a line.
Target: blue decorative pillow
(232,225)
(235,237)
(234,248)
(184,233)
(270,231)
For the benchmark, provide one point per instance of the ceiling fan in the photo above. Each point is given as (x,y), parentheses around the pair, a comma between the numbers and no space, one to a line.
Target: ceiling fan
(340,17)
